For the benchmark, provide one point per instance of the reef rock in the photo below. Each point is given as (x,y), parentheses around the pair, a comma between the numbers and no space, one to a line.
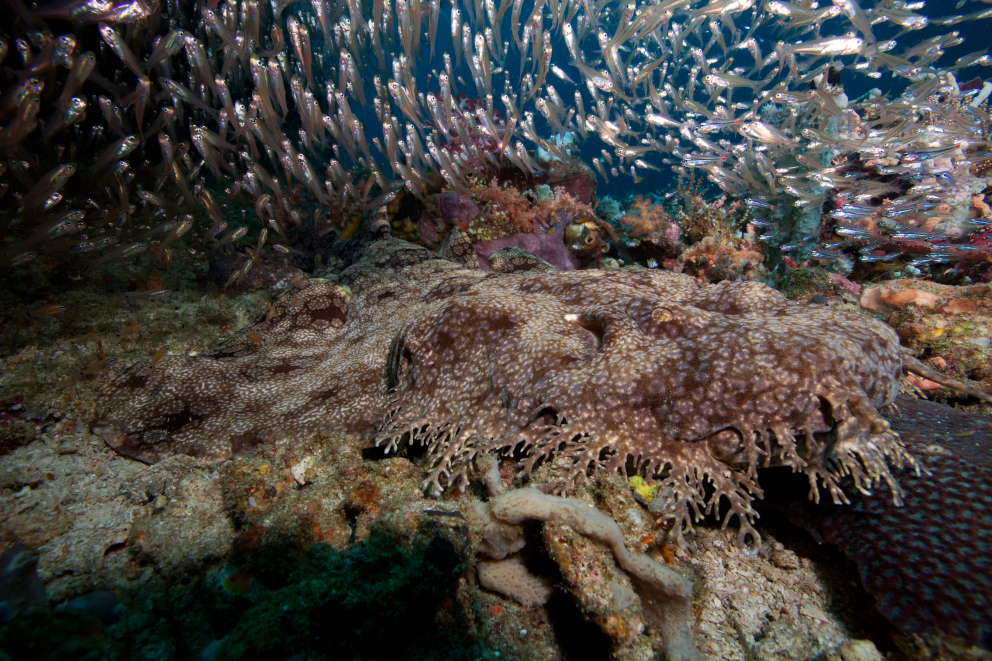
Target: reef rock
(897,295)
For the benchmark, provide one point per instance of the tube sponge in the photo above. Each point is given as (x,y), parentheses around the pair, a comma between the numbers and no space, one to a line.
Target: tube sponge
(510,578)
(665,595)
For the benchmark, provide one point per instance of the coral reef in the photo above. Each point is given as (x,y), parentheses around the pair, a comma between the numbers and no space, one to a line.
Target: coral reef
(572,176)
(499,215)
(804,282)
(812,282)
(948,327)
(202,572)
(586,240)
(510,577)
(183,524)
(664,595)
(699,218)
(508,211)
(608,209)
(722,245)
(456,209)
(549,246)
(714,259)
(341,613)
(399,454)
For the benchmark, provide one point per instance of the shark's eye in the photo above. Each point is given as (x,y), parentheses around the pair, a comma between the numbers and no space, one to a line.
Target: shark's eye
(662,315)
(664,319)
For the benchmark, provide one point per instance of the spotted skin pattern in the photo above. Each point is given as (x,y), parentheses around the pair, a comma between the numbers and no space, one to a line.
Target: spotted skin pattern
(929,564)
(631,370)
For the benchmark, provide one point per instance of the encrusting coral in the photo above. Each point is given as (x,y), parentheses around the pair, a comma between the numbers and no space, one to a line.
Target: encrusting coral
(637,370)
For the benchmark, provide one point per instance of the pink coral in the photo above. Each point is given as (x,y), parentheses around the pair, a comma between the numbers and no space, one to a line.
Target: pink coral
(456,209)
(842,283)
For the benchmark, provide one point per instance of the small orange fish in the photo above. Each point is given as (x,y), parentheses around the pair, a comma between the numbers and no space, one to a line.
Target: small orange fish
(255,337)
(158,356)
(271,311)
(46,310)
(220,300)
(299,281)
(83,339)
(129,330)
(96,366)
(240,583)
(668,553)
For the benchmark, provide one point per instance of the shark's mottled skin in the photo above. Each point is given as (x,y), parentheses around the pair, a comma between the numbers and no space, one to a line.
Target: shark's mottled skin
(636,369)
(928,563)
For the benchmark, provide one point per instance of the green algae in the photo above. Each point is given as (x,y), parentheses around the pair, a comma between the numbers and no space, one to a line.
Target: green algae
(41,634)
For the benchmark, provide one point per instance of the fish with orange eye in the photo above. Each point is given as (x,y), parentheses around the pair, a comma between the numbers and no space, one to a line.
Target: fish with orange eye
(585,239)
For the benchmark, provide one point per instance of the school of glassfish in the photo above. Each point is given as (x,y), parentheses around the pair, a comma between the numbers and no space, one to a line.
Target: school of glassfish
(111,105)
